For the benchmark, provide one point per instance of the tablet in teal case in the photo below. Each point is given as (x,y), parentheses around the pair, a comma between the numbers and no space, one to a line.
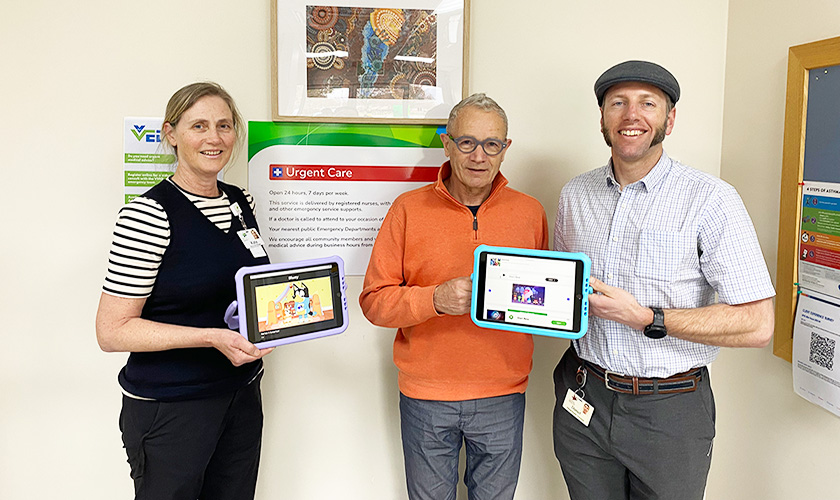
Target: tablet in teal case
(531,291)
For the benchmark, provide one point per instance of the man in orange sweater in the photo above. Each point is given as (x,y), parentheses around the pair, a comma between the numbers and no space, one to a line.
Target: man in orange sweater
(458,383)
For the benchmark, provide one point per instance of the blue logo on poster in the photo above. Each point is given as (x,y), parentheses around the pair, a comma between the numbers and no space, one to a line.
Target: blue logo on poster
(143,135)
(275,173)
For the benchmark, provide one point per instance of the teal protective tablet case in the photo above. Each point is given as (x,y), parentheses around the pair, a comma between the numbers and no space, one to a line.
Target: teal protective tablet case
(539,292)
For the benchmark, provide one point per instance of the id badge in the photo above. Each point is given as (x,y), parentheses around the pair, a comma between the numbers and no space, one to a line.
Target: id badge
(578,407)
(252,241)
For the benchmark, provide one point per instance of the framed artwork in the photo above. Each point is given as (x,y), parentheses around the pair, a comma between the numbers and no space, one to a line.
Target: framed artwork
(806,63)
(398,61)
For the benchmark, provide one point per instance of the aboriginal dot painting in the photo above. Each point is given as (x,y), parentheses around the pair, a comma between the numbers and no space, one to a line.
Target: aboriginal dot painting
(367,53)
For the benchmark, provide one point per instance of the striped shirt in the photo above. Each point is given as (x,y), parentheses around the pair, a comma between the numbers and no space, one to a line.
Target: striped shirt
(674,239)
(141,237)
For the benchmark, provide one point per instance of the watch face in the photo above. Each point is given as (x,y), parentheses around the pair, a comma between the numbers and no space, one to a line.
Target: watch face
(655,332)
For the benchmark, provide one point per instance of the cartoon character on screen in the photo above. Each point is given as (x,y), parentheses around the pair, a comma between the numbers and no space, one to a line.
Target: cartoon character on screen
(315,302)
(277,311)
(271,316)
(526,295)
(301,296)
(280,311)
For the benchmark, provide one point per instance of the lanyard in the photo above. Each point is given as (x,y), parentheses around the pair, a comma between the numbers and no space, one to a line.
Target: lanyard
(234,207)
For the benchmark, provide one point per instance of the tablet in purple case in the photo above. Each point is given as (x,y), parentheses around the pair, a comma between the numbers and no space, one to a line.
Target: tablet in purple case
(290,302)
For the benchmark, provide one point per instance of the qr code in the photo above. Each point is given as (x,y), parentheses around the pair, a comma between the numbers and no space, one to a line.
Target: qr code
(822,351)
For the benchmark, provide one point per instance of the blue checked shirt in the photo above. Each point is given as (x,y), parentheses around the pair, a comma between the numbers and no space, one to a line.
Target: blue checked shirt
(673,240)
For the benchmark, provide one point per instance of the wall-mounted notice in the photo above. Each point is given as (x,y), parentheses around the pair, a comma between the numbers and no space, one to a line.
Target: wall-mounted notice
(323,189)
(144,163)
(815,341)
(819,238)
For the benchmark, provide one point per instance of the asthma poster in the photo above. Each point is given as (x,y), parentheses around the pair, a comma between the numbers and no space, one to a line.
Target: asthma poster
(819,238)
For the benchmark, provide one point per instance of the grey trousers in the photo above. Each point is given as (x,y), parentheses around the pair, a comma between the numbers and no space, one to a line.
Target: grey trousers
(434,431)
(636,447)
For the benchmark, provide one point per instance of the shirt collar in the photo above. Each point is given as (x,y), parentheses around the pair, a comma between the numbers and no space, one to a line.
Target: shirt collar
(654,177)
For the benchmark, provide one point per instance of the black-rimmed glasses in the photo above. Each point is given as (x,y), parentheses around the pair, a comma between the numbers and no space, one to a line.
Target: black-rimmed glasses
(467,144)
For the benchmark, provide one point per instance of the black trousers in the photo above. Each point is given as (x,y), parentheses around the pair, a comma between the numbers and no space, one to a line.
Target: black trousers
(649,447)
(197,449)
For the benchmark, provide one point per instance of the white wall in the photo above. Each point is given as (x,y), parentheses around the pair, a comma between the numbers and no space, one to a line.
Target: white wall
(771,443)
(73,70)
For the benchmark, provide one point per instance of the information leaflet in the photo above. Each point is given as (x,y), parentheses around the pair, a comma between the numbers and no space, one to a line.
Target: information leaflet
(815,340)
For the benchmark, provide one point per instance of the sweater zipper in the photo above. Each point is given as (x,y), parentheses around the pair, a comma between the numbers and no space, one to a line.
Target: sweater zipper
(475,226)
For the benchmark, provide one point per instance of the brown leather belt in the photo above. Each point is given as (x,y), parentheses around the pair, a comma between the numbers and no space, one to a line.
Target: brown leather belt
(681,382)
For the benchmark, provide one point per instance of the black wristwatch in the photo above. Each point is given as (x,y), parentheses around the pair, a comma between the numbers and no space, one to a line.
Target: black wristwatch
(656,330)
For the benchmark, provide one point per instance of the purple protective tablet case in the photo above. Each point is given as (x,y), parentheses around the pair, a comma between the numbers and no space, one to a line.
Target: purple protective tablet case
(290,302)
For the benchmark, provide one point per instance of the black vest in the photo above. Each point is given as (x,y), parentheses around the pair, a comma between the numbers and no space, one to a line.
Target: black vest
(194,285)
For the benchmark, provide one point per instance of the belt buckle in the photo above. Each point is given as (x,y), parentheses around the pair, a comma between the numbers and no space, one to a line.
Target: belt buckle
(607,380)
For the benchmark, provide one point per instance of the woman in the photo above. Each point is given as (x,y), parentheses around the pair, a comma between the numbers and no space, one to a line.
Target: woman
(191,419)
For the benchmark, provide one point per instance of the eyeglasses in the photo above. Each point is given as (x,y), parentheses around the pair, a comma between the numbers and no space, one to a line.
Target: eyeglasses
(467,144)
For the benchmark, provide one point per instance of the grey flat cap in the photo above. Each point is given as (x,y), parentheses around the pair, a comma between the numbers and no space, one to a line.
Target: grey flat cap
(638,71)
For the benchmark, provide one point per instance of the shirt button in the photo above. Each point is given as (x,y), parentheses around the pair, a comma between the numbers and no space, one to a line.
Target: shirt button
(609,275)
(615,239)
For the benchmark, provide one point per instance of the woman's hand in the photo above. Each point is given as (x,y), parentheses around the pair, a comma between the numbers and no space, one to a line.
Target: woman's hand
(235,347)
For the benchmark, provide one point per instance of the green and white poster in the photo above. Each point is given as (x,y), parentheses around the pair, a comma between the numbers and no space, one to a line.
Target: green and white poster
(323,189)
(144,162)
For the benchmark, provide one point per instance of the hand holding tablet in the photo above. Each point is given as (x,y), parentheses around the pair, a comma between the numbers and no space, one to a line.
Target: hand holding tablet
(290,302)
(531,291)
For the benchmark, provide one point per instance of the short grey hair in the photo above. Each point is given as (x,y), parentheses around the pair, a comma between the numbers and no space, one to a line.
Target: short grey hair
(482,102)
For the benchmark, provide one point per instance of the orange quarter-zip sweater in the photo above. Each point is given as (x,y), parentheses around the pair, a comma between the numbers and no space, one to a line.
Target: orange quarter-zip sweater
(428,238)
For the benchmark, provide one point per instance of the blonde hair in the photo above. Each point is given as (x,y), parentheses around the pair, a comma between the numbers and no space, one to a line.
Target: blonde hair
(187,96)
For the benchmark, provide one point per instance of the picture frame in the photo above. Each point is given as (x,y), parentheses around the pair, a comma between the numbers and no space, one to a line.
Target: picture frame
(368,61)
(801,60)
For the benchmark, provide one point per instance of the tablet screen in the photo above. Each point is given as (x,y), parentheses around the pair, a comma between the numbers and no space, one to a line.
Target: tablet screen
(530,291)
(289,302)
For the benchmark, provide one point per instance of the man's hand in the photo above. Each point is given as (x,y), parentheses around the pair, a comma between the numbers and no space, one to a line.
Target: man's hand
(615,304)
(454,296)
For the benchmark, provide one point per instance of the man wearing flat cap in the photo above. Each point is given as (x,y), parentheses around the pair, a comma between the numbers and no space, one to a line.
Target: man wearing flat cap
(665,240)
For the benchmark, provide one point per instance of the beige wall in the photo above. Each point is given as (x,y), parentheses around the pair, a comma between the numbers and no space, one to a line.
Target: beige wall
(73,70)
(771,443)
